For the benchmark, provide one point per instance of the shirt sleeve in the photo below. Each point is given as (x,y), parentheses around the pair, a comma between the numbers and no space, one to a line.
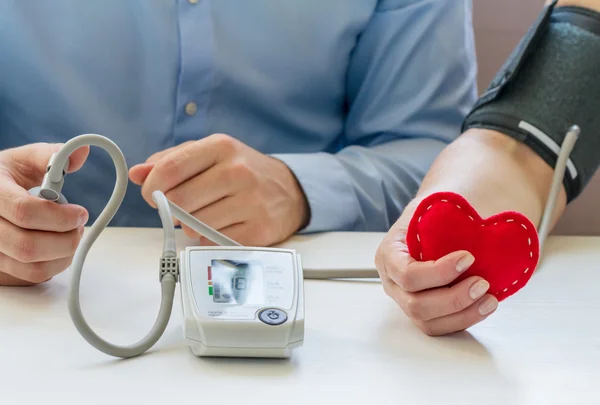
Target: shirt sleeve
(410,83)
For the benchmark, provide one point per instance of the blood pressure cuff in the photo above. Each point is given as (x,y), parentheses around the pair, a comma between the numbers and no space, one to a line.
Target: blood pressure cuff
(549,83)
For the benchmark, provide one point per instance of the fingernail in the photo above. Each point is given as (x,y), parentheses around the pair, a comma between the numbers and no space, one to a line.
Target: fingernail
(82,220)
(81,230)
(488,305)
(478,289)
(465,262)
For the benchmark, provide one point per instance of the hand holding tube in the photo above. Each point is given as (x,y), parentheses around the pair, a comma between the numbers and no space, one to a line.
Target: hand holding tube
(37,238)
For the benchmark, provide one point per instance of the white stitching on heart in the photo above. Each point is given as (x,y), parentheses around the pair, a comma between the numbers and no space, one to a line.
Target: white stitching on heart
(496,223)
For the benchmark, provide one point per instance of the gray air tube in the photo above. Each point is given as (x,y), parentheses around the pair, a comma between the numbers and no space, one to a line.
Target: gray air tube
(51,190)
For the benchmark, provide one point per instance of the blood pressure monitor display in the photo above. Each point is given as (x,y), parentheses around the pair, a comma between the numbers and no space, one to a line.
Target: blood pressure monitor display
(236,282)
(233,284)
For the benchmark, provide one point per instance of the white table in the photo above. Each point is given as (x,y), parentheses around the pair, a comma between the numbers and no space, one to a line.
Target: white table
(542,346)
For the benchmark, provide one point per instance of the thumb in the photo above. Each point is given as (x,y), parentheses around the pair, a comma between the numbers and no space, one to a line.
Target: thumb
(28,163)
(138,173)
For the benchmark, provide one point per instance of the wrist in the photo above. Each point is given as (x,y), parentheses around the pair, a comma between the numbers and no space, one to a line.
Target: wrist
(298,202)
(301,207)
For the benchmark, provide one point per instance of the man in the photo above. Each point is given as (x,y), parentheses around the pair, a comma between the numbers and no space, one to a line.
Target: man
(261,118)
(498,166)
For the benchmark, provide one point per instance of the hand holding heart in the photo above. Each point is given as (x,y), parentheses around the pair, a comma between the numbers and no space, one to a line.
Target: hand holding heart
(448,268)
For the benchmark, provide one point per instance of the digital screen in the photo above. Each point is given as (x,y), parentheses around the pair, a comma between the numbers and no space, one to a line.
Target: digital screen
(235,282)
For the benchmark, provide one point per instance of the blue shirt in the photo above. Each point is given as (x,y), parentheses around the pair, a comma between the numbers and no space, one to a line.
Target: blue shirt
(357,97)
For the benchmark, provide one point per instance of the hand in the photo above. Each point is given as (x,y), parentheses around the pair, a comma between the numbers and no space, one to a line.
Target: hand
(38,238)
(421,288)
(250,197)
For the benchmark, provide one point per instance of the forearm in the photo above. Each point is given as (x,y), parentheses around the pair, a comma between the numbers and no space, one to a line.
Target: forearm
(495,173)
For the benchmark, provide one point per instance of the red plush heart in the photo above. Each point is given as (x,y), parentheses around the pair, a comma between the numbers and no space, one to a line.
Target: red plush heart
(505,246)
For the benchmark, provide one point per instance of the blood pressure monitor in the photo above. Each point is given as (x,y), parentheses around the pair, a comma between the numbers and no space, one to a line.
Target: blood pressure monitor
(237,301)
(242,302)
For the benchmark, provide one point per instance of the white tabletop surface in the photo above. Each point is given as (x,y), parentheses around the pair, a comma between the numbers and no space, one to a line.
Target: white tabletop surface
(542,346)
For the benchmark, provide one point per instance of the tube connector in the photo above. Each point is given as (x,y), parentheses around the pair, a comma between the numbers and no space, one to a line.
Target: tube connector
(575,130)
(54,179)
(169,265)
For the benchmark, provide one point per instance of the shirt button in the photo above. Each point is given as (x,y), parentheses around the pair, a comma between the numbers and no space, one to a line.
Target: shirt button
(191,108)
